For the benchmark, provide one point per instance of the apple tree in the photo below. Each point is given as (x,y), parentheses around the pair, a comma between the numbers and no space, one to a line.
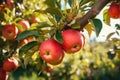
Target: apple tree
(41,33)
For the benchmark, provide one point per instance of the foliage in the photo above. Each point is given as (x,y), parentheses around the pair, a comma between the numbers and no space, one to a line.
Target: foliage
(91,63)
(56,16)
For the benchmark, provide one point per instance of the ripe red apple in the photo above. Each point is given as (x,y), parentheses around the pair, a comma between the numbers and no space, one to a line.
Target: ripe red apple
(51,52)
(72,41)
(10,64)
(3,74)
(35,20)
(114,11)
(9,32)
(24,24)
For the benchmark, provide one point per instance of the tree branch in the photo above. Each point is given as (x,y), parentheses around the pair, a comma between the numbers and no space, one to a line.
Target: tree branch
(94,11)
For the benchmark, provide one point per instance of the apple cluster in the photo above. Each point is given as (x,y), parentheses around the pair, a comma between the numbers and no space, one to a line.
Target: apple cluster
(52,51)
(10,32)
(114,10)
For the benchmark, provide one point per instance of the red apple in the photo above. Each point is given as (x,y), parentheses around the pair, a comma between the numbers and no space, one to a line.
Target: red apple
(23,42)
(35,20)
(51,52)
(9,3)
(72,41)
(27,40)
(3,74)
(24,24)
(48,69)
(119,9)
(10,64)
(114,11)
(9,32)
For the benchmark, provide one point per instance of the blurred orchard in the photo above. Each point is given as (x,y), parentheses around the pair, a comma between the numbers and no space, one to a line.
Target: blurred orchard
(48,40)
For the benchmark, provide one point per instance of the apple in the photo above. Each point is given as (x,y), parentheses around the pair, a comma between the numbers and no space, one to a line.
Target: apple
(24,24)
(9,32)
(10,64)
(48,69)
(9,3)
(73,41)
(114,11)
(23,42)
(35,20)
(51,52)
(3,74)
(27,40)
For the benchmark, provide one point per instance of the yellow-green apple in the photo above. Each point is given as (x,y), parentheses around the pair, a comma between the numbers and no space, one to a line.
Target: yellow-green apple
(10,64)
(35,20)
(51,52)
(24,25)
(9,32)
(114,11)
(72,41)
(3,74)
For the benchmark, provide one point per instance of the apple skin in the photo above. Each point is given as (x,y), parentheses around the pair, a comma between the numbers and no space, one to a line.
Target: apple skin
(51,52)
(35,20)
(10,64)
(72,41)
(3,74)
(25,25)
(9,32)
(114,11)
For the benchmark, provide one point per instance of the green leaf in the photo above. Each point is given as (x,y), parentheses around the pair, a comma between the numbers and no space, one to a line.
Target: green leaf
(50,3)
(58,36)
(26,34)
(117,26)
(98,25)
(58,4)
(70,2)
(106,17)
(118,33)
(76,25)
(55,11)
(82,2)
(52,20)
(57,18)
(39,25)
(27,47)
(17,19)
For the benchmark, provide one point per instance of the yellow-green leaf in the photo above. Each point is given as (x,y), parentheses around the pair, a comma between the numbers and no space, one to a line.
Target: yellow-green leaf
(89,27)
(106,17)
